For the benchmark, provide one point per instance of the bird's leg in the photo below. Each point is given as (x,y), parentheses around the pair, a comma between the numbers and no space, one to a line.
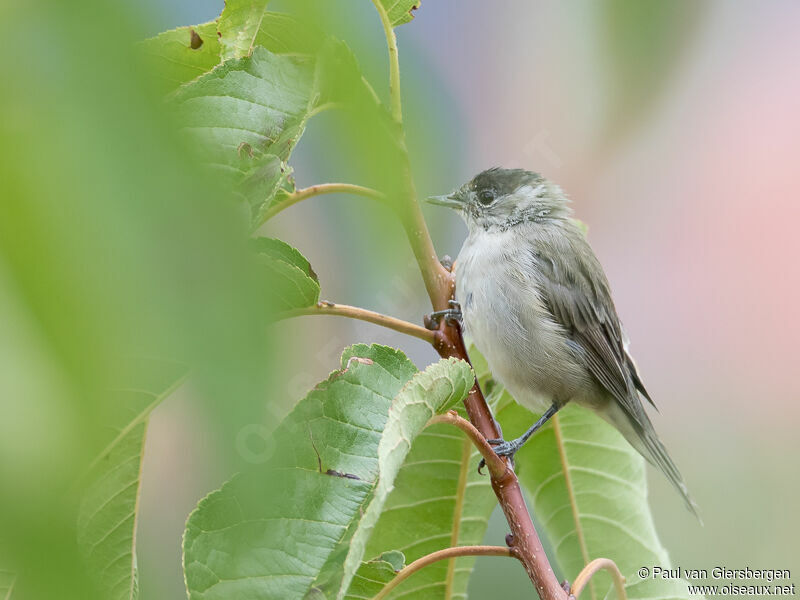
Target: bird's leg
(452,316)
(503,448)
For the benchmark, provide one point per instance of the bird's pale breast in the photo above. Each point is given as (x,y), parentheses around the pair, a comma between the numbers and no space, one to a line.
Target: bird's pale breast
(506,319)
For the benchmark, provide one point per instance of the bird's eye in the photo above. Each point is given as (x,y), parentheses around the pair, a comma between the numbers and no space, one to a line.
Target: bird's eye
(486,197)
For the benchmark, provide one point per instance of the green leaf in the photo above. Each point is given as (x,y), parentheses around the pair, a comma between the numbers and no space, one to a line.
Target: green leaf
(109,507)
(238,26)
(292,282)
(183,54)
(588,489)
(245,117)
(279,250)
(428,393)
(374,574)
(400,11)
(284,34)
(284,529)
(6,584)
(336,458)
(439,501)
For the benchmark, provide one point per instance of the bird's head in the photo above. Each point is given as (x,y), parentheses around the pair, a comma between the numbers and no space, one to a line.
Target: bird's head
(498,199)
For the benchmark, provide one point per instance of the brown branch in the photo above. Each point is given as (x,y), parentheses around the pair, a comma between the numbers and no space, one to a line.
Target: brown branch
(362,314)
(593,567)
(445,554)
(523,541)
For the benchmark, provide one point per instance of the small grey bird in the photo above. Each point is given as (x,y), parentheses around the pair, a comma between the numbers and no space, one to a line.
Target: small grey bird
(534,299)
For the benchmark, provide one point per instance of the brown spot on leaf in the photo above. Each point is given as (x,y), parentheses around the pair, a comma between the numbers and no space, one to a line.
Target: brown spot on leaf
(333,473)
(195,41)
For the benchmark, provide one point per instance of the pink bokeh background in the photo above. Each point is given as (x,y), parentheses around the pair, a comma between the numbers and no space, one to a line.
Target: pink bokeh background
(692,207)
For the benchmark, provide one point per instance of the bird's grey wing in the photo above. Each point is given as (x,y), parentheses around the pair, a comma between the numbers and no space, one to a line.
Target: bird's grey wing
(575,290)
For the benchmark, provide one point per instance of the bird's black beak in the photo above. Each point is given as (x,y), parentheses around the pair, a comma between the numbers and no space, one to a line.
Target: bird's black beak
(450,200)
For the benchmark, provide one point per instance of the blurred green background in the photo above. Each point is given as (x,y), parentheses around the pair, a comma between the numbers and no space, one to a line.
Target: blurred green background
(672,126)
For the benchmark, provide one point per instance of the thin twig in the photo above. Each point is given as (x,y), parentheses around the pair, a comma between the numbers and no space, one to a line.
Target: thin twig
(362,314)
(593,567)
(394,62)
(496,465)
(438,282)
(441,555)
(317,190)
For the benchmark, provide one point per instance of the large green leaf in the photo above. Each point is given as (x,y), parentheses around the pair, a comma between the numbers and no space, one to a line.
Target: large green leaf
(181,55)
(244,118)
(109,508)
(400,11)
(429,392)
(331,479)
(588,489)
(439,501)
(282,530)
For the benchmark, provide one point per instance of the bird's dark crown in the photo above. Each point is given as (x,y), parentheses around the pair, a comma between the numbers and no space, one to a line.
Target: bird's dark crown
(498,199)
(504,181)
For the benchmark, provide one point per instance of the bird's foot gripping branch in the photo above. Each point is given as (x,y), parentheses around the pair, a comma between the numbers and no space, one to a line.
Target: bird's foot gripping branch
(372,489)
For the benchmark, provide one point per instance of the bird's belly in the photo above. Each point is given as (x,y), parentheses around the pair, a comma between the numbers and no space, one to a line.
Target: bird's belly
(525,349)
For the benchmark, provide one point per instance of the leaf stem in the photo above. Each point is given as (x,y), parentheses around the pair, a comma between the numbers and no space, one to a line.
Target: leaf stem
(593,567)
(445,554)
(496,465)
(362,314)
(438,282)
(394,62)
(317,190)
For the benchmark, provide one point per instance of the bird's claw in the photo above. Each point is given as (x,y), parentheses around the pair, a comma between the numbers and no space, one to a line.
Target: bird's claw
(451,316)
(508,449)
(501,448)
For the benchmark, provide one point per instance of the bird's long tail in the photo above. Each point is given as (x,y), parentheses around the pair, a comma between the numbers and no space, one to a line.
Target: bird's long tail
(655,452)
(641,435)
